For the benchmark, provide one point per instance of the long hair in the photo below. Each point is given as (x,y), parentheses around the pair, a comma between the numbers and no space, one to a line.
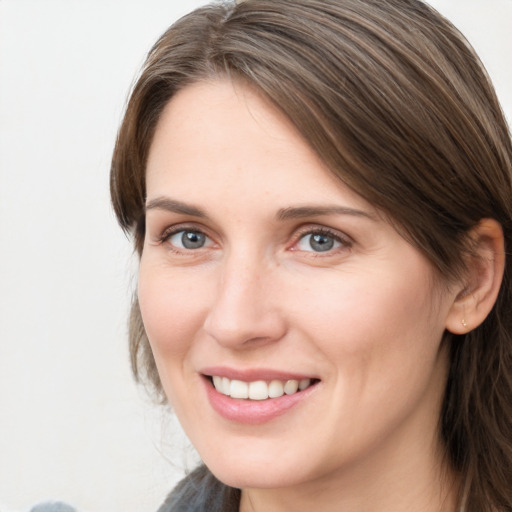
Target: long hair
(397,104)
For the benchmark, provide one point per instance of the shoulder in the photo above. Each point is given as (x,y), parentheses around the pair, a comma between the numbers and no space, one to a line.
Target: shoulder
(47,506)
(52,506)
(200,491)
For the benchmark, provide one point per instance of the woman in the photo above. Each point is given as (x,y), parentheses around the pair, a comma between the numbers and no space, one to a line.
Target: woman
(320,196)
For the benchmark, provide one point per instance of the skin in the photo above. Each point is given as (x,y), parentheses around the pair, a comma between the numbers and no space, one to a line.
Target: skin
(366,318)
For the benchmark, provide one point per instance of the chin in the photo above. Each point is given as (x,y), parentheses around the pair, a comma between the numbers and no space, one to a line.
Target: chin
(263,467)
(245,476)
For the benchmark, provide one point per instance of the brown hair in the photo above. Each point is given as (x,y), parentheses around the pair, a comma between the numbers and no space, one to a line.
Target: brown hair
(397,104)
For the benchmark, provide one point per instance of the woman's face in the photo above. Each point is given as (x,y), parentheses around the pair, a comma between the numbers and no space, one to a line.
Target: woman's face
(261,272)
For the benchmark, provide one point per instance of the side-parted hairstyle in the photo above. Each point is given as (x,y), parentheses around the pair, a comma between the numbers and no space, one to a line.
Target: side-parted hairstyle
(396,103)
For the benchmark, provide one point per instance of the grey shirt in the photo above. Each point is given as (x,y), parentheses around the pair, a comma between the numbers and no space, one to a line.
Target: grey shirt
(200,491)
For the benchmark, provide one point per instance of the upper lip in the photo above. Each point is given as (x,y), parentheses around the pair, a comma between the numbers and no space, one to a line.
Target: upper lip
(253,374)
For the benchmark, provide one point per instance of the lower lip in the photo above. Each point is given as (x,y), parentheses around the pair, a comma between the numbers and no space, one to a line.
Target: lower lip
(253,411)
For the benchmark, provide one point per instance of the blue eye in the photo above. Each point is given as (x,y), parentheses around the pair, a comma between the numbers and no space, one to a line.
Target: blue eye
(318,242)
(189,239)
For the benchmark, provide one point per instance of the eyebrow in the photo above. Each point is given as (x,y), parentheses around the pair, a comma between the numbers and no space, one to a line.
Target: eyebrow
(171,205)
(318,211)
(297,212)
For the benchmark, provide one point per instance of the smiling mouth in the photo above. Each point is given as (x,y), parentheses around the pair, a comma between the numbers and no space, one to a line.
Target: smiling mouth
(259,389)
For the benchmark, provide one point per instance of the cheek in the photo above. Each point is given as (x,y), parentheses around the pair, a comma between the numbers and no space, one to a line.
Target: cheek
(373,325)
(172,308)
(382,340)
(350,306)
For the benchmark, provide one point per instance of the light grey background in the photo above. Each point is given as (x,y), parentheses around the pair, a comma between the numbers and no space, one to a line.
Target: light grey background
(72,423)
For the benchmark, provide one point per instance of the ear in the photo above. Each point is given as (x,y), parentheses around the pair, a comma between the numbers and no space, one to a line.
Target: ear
(485,272)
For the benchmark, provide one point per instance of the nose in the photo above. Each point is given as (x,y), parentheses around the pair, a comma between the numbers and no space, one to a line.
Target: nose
(245,312)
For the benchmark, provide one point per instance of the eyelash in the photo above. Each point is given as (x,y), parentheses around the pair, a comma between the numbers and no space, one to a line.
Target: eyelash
(344,241)
(168,233)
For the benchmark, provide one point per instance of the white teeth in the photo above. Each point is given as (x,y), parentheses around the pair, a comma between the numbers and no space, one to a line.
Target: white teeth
(291,387)
(226,384)
(275,389)
(304,383)
(258,390)
(239,389)
(217,382)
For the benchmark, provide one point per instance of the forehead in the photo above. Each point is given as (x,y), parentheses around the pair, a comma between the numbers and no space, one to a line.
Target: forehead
(224,116)
(217,136)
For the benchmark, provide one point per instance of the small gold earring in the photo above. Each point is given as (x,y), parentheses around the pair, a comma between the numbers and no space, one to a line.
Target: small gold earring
(464,323)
